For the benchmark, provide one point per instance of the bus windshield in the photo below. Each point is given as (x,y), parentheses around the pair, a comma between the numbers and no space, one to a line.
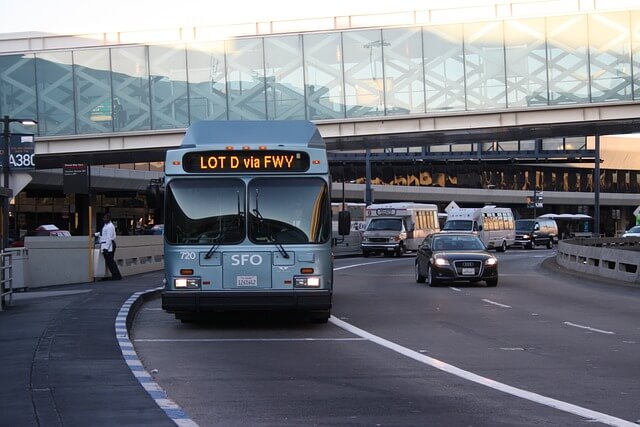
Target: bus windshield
(213,211)
(390,224)
(205,211)
(458,225)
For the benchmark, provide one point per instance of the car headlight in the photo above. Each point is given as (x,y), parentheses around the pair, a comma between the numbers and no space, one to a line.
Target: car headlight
(490,261)
(441,261)
(526,236)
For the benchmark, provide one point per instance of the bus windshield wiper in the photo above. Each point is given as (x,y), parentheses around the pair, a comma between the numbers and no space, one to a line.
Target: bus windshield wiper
(225,230)
(272,236)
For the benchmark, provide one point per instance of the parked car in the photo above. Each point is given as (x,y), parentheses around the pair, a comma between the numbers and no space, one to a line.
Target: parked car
(155,229)
(42,230)
(632,232)
(536,232)
(455,257)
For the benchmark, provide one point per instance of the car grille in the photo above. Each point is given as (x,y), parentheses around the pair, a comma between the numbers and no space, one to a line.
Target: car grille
(378,239)
(460,265)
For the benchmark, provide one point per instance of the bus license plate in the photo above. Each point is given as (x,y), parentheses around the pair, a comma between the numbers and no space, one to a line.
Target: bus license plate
(468,271)
(246,280)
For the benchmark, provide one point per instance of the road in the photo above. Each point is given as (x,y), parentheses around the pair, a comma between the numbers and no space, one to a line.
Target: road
(542,348)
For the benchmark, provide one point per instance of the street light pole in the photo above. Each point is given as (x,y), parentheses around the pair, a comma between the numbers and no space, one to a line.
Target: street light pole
(6,193)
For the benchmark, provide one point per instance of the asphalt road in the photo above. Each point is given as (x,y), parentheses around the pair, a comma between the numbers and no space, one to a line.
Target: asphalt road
(542,348)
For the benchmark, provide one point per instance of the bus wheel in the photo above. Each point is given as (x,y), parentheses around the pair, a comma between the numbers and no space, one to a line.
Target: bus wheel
(401,250)
(503,247)
(319,316)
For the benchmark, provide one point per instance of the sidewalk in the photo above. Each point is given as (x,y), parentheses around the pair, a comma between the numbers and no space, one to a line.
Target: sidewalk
(61,362)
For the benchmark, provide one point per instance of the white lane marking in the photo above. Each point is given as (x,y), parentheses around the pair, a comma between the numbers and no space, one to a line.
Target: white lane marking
(243,339)
(496,303)
(153,309)
(363,263)
(455,289)
(470,376)
(575,325)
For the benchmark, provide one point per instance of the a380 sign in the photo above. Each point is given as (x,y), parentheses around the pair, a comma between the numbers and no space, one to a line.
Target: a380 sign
(21,160)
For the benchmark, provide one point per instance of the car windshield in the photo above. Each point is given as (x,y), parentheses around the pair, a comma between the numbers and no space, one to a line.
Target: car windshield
(635,229)
(524,225)
(464,243)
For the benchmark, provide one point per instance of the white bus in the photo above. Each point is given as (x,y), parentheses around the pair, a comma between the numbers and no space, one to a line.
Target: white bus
(395,228)
(350,244)
(495,226)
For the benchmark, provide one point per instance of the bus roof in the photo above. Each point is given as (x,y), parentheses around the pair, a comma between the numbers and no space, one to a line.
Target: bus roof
(403,205)
(271,133)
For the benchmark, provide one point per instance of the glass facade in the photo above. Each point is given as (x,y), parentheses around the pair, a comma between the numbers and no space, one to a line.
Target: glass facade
(482,66)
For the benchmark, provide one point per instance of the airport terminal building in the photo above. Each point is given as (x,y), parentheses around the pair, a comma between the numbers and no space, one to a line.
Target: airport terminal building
(473,105)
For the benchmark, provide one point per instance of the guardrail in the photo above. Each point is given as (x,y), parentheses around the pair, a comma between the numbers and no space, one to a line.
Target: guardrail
(612,257)
(6,279)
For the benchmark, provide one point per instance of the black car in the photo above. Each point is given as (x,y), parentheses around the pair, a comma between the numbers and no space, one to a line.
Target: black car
(536,232)
(455,257)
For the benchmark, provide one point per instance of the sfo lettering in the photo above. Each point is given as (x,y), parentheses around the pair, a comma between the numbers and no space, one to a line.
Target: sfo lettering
(268,161)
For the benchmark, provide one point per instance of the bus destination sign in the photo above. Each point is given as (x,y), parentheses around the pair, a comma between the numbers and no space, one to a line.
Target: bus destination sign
(245,161)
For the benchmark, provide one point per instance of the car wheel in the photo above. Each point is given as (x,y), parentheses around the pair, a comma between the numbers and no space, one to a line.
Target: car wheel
(419,277)
(430,280)
(492,283)
(401,250)
(550,244)
(365,254)
(530,245)
(503,247)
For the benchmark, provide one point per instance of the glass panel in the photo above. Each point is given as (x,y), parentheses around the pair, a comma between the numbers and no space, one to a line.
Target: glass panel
(190,221)
(575,143)
(207,81)
(130,89)
(17,90)
(93,90)
(323,71)
(245,77)
(635,54)
(284,78)
(553,144)
(526,55)
(610,57)
(363,74)
(55,93)
(275,217)
(444,68)
(484,66)
(169,101)
(403,70)
(568,59)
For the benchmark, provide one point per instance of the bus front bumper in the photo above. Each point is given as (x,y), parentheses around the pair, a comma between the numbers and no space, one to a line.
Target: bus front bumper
(204,301)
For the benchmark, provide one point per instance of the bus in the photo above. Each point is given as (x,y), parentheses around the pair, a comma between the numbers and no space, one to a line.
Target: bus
(248,220)
(494,225)
(395,228)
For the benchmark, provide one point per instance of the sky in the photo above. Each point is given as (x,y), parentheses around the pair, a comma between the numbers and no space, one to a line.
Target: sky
(91,16)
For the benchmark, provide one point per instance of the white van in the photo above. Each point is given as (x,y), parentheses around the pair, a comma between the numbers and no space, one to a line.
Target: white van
(495,226)
(395,228)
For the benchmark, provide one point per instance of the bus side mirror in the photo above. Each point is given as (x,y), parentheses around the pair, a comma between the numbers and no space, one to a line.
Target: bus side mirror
(479,228)
(344,223)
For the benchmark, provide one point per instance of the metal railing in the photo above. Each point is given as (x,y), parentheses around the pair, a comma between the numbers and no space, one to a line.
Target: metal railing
(6,279)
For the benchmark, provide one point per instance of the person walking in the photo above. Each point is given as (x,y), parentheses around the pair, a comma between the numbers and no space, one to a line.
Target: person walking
(108,247)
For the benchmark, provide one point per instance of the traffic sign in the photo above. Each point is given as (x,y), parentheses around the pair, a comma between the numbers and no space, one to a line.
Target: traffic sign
(453,205)
(637,211)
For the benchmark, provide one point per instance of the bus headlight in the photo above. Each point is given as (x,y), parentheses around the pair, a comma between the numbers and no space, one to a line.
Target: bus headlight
(307,281)
(186,282)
